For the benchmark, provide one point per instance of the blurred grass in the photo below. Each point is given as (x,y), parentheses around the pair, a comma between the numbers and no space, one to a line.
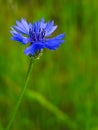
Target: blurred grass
(65,78)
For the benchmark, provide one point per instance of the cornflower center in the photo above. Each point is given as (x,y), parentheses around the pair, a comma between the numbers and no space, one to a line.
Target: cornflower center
(37,35)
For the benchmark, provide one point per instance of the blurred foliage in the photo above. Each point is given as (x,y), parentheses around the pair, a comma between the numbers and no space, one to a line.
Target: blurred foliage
(64,83)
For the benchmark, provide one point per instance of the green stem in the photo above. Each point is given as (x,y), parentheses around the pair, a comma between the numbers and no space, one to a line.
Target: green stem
(21,95)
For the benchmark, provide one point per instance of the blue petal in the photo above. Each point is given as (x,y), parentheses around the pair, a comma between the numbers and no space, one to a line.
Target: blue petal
(37,25)
(13,31)
(53,43)
(19,29)
(22,27)
(50,28)
(33,48)
(48,33)
(18,37)
(25,24)
(43,24)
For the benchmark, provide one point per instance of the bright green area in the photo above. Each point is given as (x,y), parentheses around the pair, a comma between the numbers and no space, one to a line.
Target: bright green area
(62,93)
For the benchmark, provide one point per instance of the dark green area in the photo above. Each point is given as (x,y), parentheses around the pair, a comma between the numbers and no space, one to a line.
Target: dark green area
(62,92)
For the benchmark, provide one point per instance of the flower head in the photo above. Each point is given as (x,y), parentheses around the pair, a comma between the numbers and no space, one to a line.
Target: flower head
(36,34)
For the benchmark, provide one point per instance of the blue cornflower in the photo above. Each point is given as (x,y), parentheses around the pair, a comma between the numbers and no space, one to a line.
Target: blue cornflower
(36,34)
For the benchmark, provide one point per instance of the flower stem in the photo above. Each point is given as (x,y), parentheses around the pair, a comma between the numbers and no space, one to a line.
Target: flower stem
(21,95)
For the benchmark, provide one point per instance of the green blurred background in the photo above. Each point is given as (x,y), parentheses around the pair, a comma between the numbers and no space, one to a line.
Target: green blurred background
(62,93)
